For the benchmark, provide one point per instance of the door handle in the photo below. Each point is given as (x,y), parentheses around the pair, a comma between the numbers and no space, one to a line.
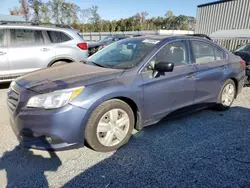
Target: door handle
(45,49)
(2,53)
(191,75)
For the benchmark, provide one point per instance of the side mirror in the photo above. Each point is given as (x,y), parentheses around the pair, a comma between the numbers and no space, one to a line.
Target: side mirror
(164,67)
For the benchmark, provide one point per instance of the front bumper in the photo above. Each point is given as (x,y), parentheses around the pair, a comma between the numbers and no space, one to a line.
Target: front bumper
(56,129)
(50,129)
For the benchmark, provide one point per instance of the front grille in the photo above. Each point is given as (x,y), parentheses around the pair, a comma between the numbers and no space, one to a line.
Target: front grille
(13,99)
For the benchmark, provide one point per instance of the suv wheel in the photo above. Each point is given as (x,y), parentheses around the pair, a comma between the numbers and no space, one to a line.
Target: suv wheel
(226,96)
(110,126)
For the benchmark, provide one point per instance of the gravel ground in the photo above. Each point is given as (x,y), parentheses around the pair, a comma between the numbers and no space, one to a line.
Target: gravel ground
(204,149)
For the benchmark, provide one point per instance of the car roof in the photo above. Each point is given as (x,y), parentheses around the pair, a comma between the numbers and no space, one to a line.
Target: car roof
(155,37)
(40,27)
(163,37)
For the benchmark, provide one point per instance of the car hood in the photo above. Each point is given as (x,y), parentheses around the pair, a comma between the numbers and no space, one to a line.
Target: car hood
(66,76)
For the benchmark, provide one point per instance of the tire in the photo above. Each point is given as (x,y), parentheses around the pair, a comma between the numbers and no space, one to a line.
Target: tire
(221,106)
(95,138)
(58,63)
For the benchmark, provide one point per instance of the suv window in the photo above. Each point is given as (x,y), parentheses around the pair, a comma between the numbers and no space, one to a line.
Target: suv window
(203,52)
(25,36)
(174,52)
(58,37)
(1,37)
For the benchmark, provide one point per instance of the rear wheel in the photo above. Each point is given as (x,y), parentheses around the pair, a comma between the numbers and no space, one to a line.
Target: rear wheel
(110,126)
(226,96)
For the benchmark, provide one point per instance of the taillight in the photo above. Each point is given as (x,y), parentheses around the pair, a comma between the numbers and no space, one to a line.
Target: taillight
(243,63)
(83,46)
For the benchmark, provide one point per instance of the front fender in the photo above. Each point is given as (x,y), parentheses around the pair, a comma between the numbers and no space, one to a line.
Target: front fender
(96,94)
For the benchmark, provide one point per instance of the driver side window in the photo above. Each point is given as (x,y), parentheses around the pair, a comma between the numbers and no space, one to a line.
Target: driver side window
(174,52)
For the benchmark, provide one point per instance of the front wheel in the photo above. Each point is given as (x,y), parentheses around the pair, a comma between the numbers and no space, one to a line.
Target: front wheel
(226,96)
(110,126)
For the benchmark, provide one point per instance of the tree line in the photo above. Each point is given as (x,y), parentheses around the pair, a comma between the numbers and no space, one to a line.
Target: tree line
(89,20)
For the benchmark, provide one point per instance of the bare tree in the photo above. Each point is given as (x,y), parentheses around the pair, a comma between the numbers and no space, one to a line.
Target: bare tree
(169,14)
(45,12)
(95,18)
(15,11)
(55,7)
(144,15)
(25,11)
(84,15)
(36,6)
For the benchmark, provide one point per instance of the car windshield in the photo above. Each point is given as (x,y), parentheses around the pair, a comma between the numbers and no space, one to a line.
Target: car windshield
(123,54)
(243,48)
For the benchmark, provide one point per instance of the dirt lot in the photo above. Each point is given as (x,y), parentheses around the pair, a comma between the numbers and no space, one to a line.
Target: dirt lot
(204,149)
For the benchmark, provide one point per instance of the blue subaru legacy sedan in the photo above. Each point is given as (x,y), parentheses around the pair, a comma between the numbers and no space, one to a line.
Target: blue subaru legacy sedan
(128,85)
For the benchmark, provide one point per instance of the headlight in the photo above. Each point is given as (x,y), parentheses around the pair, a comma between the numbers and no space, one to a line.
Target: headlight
(54,99)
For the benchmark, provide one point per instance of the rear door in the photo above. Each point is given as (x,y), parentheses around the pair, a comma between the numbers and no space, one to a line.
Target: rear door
(170,90)
(4,64)
(29,50)
(212,67)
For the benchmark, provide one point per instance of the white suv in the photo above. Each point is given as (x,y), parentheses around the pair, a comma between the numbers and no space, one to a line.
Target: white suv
(25,48)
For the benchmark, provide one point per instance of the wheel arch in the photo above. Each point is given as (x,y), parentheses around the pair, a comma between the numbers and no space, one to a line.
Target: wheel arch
(135,108)
(67,59)
(134,105)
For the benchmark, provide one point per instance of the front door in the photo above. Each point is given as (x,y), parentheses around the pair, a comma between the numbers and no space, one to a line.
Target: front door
(28,51)
(171,90)
(211,71)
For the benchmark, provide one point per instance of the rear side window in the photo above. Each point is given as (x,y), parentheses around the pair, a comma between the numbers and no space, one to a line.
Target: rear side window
(58,37)
(26,37)
(1,37)
(203,52)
